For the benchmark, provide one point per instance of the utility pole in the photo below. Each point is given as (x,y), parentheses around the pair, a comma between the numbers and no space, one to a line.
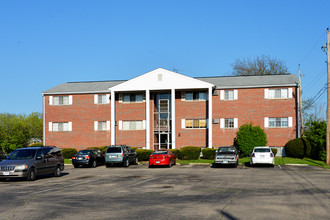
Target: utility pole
(328,98)
(300,107)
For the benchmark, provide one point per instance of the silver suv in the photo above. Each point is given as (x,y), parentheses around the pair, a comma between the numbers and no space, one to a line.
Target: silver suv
(32,161)
(121,154)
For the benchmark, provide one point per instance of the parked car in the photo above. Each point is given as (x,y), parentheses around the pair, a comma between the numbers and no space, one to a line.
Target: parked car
(262,155)
(226,156)
(33,161)
(88,157)
(120,154)
(162,158)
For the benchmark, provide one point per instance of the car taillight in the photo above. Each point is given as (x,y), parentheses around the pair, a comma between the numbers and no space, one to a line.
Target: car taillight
(235,157)
(73,158)
(122,154)
(271,155)
(87,157)
(252,154)
(151,157)
(165,157)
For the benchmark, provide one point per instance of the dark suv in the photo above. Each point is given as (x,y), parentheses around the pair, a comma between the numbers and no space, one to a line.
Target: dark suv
(120,154)
(32,161)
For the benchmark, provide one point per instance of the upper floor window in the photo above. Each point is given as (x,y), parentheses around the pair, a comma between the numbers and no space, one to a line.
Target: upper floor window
(194,96)
(228,123)
(131,97)
(60,126)
(60,100)
(102,99)
(101,125)
(132,125)
(278,93)
(228,94)
(194,123)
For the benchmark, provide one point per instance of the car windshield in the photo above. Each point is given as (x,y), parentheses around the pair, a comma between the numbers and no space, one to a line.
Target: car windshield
(160,152)
(262,150)
(84,152)
(22,154)
(114,150)
(226,149)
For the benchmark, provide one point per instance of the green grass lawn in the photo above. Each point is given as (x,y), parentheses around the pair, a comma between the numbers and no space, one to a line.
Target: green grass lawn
(67,161)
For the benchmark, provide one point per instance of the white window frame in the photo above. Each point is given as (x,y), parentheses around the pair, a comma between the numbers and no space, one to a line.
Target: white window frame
(225,97)
(184,123)
(60,126)
(101,101)
(278,122)
(283,93)
(224,121)
(60,100)
(105,125)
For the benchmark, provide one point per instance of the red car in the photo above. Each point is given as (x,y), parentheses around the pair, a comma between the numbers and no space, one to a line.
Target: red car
(162,158)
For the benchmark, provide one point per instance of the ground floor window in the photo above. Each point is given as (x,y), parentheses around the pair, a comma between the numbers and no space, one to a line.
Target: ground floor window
(102,125)
(132,125)
(278,122)
(60,126)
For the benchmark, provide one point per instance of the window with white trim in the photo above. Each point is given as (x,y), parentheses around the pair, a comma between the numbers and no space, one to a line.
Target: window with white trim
(195,123)
(101,125)
(60,126)
(228,95)
(132,125)
(278,93)
(131,97)
(278,122)
(229,123)
(60,100)
(102,99)
(195,96)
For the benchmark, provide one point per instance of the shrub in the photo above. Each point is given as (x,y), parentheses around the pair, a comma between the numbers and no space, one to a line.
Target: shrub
(103,149)
(36,145)
(248,137)
(143,154)
(69,152)
(208,153)
(316,132)
(190,153)
(298,148)
(274,150)
(176,152)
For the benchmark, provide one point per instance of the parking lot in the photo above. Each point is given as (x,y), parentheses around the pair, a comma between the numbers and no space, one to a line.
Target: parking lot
(180,192)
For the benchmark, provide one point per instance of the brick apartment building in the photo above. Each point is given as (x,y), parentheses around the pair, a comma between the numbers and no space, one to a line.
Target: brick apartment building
(164,109)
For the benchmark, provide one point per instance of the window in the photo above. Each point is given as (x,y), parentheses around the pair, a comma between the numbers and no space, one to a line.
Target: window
(278,122)
(228,123)
(132,125)
(131,98)
(228,94)
(60,126)
(60,100)
(278,93)
(195,96)
(101,125)
(195,123)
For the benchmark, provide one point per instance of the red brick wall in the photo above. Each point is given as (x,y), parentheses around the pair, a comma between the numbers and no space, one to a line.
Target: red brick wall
(82,113)
(251,106)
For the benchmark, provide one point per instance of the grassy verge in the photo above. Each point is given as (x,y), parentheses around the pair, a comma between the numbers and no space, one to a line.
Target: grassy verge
(194,161)
(67,161)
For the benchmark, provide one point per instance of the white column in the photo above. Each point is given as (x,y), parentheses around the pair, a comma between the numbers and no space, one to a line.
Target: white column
(173,118)
(147,119)
(113,119)
(210,118)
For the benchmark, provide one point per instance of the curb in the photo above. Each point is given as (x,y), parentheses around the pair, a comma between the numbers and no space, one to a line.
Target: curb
(297,165)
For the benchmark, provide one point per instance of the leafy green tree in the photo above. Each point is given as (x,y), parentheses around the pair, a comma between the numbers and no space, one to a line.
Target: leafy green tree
(17,130)
(248,137)
(315,132)
(261,65)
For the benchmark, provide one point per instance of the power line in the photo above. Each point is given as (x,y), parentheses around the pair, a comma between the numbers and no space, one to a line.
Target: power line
(316,79)
(315,44)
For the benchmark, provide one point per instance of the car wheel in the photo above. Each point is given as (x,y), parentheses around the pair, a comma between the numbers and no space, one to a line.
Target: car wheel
(57,171)
(126,163)
(31,175)
(136,162)
(107,165)
(94,164)
(76,166)
(174,162)
(169,164)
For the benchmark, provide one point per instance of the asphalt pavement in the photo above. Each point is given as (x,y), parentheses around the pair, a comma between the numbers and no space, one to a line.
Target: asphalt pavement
(180,192)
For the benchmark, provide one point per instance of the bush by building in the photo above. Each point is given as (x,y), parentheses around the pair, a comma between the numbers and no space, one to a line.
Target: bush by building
(208,153)
(143,154)
(298,148)
(274,150)
(248,137)
(190,153)
(176,153)
(68,152)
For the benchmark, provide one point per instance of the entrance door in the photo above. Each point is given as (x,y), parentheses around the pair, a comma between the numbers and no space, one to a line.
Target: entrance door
(163,141)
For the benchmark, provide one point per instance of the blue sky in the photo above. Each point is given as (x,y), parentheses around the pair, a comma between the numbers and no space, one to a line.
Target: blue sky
(46,43)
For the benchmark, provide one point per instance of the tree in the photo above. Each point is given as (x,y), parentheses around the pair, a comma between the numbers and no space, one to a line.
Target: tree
(16,131)
(248,137)
(313,110)
(261,65)
(315,132)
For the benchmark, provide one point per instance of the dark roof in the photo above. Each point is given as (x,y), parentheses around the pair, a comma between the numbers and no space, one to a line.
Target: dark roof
(220,82)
